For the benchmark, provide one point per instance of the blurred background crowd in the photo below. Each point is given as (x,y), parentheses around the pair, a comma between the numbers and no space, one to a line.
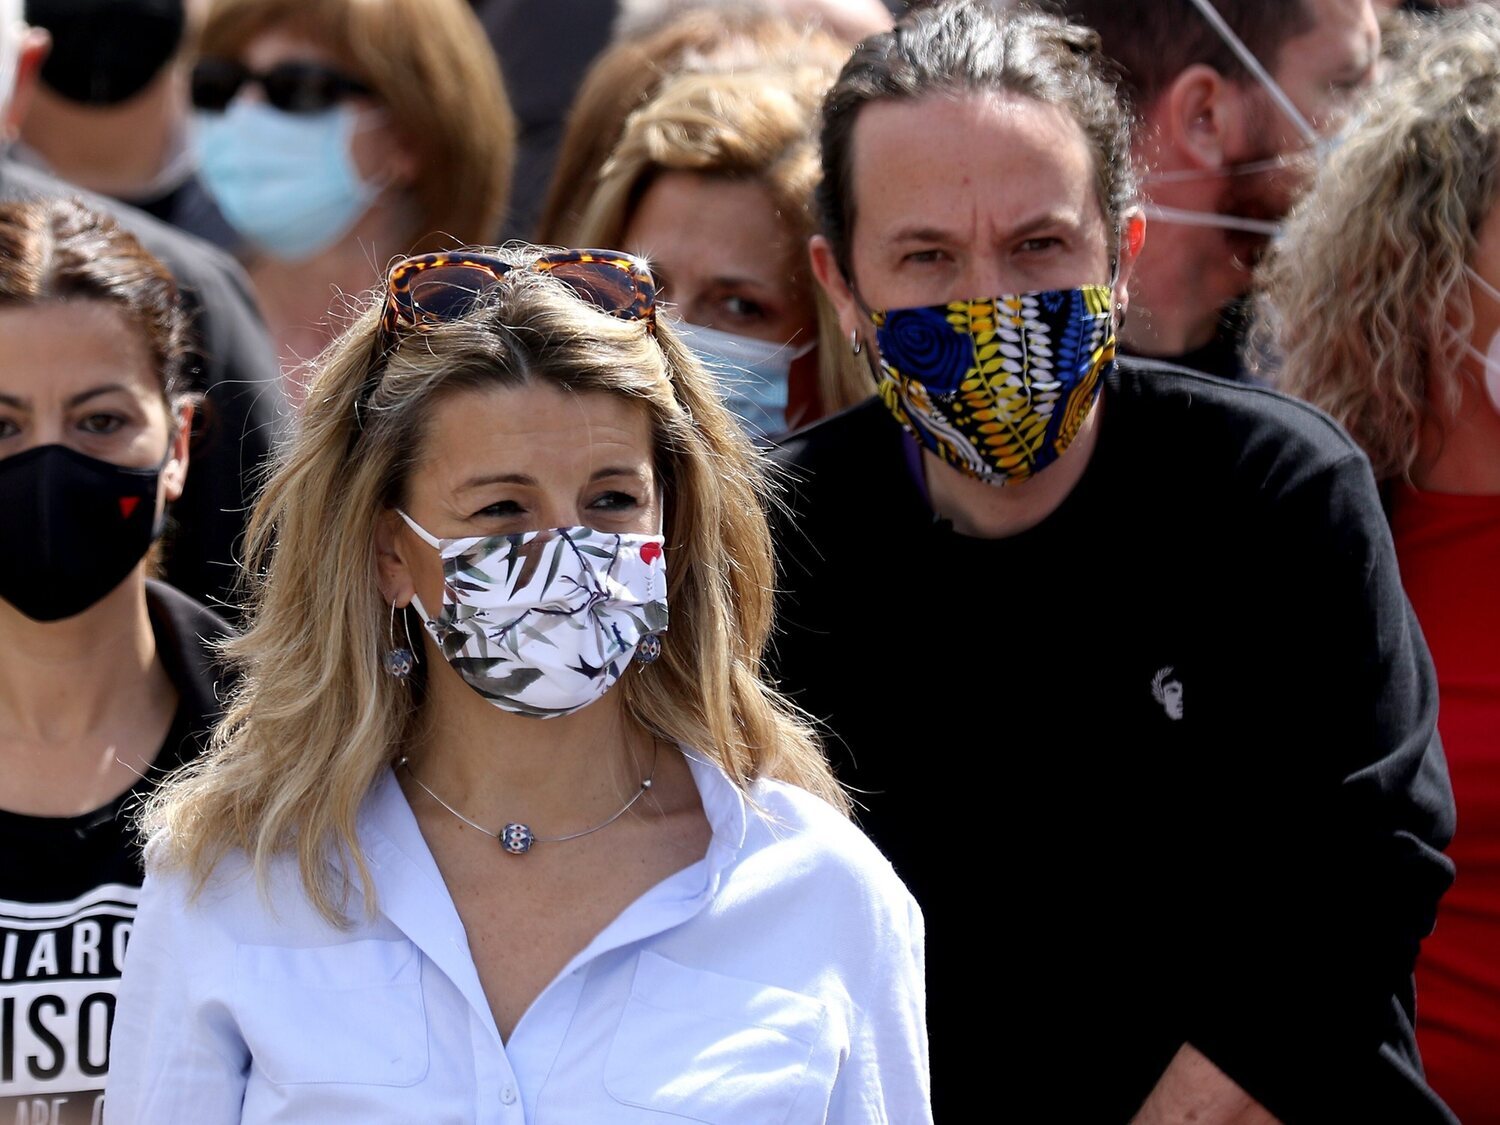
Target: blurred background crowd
(1322,203)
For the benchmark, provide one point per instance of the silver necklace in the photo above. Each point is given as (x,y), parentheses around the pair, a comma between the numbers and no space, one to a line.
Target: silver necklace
(518,839)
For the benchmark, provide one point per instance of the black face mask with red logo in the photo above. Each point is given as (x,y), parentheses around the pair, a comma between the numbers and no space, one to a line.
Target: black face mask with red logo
(71,528)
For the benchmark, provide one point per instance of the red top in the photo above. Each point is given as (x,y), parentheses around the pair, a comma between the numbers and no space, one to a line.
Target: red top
(1449,548)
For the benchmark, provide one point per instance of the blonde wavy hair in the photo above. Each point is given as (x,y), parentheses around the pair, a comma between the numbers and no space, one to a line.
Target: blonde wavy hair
(1364,307)
(751,125)
(315,720)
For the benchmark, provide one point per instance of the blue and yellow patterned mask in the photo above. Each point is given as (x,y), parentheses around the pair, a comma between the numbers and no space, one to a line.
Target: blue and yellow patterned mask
(998,388)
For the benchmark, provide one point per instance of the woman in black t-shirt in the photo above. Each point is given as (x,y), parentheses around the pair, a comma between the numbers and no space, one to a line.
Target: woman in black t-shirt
(107,680)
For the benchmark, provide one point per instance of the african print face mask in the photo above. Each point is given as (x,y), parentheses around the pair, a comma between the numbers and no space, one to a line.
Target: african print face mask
(544,623)
(998,388)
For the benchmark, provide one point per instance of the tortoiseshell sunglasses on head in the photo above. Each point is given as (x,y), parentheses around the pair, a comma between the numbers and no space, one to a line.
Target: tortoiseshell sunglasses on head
(432,289)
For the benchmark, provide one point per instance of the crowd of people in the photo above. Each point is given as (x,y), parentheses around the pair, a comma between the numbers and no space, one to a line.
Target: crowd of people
(749,560)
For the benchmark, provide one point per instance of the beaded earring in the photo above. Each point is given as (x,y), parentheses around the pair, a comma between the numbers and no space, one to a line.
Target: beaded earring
(399,661)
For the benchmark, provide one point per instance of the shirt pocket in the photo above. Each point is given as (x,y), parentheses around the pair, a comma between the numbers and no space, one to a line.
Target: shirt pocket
(350,1013)
(712,1048)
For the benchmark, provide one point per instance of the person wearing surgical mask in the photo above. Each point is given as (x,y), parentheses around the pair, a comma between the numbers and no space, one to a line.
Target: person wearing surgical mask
(228,358)
(1381,305)
(712,181)
(1233,99)
(336,134)
(109,679)
(111,112)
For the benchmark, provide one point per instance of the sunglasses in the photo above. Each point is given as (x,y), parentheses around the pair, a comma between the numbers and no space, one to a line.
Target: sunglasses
(292,87)
(433,289)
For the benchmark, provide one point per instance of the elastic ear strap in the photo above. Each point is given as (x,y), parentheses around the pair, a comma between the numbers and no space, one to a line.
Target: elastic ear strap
(416,601)
(1253,65)
(421,531)
(1477,279)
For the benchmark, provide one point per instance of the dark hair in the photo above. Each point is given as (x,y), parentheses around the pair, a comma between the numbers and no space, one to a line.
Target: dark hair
(56,249)
(969,46)
(1152,43)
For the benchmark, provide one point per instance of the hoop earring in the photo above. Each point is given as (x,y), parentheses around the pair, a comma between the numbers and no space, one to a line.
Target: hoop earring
(398,661)
(856,345)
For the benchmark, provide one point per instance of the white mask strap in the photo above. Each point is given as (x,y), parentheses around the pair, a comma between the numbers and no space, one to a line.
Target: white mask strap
(421,531)
(1253,65)
(1155,212)
(416,601)
(1489,290)
(1318,153)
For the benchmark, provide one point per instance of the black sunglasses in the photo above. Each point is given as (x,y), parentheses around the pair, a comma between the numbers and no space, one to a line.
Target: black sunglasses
(292,87)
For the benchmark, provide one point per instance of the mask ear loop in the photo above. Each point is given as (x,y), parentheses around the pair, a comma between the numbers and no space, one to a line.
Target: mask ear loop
(421,532)
(1253,65)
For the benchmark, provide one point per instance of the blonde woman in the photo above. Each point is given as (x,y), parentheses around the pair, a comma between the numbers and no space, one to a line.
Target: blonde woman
(1383,300)
(627,74)
(713,181)
(503,824)
(338,134)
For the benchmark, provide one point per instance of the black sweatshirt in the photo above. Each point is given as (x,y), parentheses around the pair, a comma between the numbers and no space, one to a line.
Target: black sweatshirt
(1162,769)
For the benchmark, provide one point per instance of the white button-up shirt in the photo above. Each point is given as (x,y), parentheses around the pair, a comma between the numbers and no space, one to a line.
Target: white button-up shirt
(778,979)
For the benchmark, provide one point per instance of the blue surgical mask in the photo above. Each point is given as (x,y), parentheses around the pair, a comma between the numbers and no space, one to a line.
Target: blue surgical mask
(752,374)
(285,181)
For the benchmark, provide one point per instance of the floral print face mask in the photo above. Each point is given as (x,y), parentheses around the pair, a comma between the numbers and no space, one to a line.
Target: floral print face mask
(543,623)
(998,387)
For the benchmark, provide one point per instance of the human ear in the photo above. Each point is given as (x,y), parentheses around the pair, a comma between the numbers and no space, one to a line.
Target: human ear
(174,473)
(394,572)
(831,279)
(1198,111)
(34,48)
(1132,242)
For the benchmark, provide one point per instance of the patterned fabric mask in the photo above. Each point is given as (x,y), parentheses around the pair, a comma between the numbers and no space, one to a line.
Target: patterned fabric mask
(544,623)
(998,388)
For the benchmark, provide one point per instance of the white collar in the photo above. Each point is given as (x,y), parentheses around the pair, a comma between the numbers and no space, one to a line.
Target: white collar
(410,891)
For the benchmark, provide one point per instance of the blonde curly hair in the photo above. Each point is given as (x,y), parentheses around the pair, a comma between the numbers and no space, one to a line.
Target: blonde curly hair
(1364,306)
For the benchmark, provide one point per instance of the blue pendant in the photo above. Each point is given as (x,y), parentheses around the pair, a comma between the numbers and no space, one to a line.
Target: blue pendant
(399,662)
(649,649)
(516,839)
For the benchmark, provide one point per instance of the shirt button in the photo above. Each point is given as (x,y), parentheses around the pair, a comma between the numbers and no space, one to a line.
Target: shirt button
(507,1095)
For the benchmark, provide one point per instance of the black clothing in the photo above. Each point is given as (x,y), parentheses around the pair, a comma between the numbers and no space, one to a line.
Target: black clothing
(1162,769)
(544,52)
(191,209)
(1222,355)
(68,893)
(233,365)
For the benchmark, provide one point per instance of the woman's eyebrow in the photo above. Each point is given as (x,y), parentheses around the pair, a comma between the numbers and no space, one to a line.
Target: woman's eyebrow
(84,396)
